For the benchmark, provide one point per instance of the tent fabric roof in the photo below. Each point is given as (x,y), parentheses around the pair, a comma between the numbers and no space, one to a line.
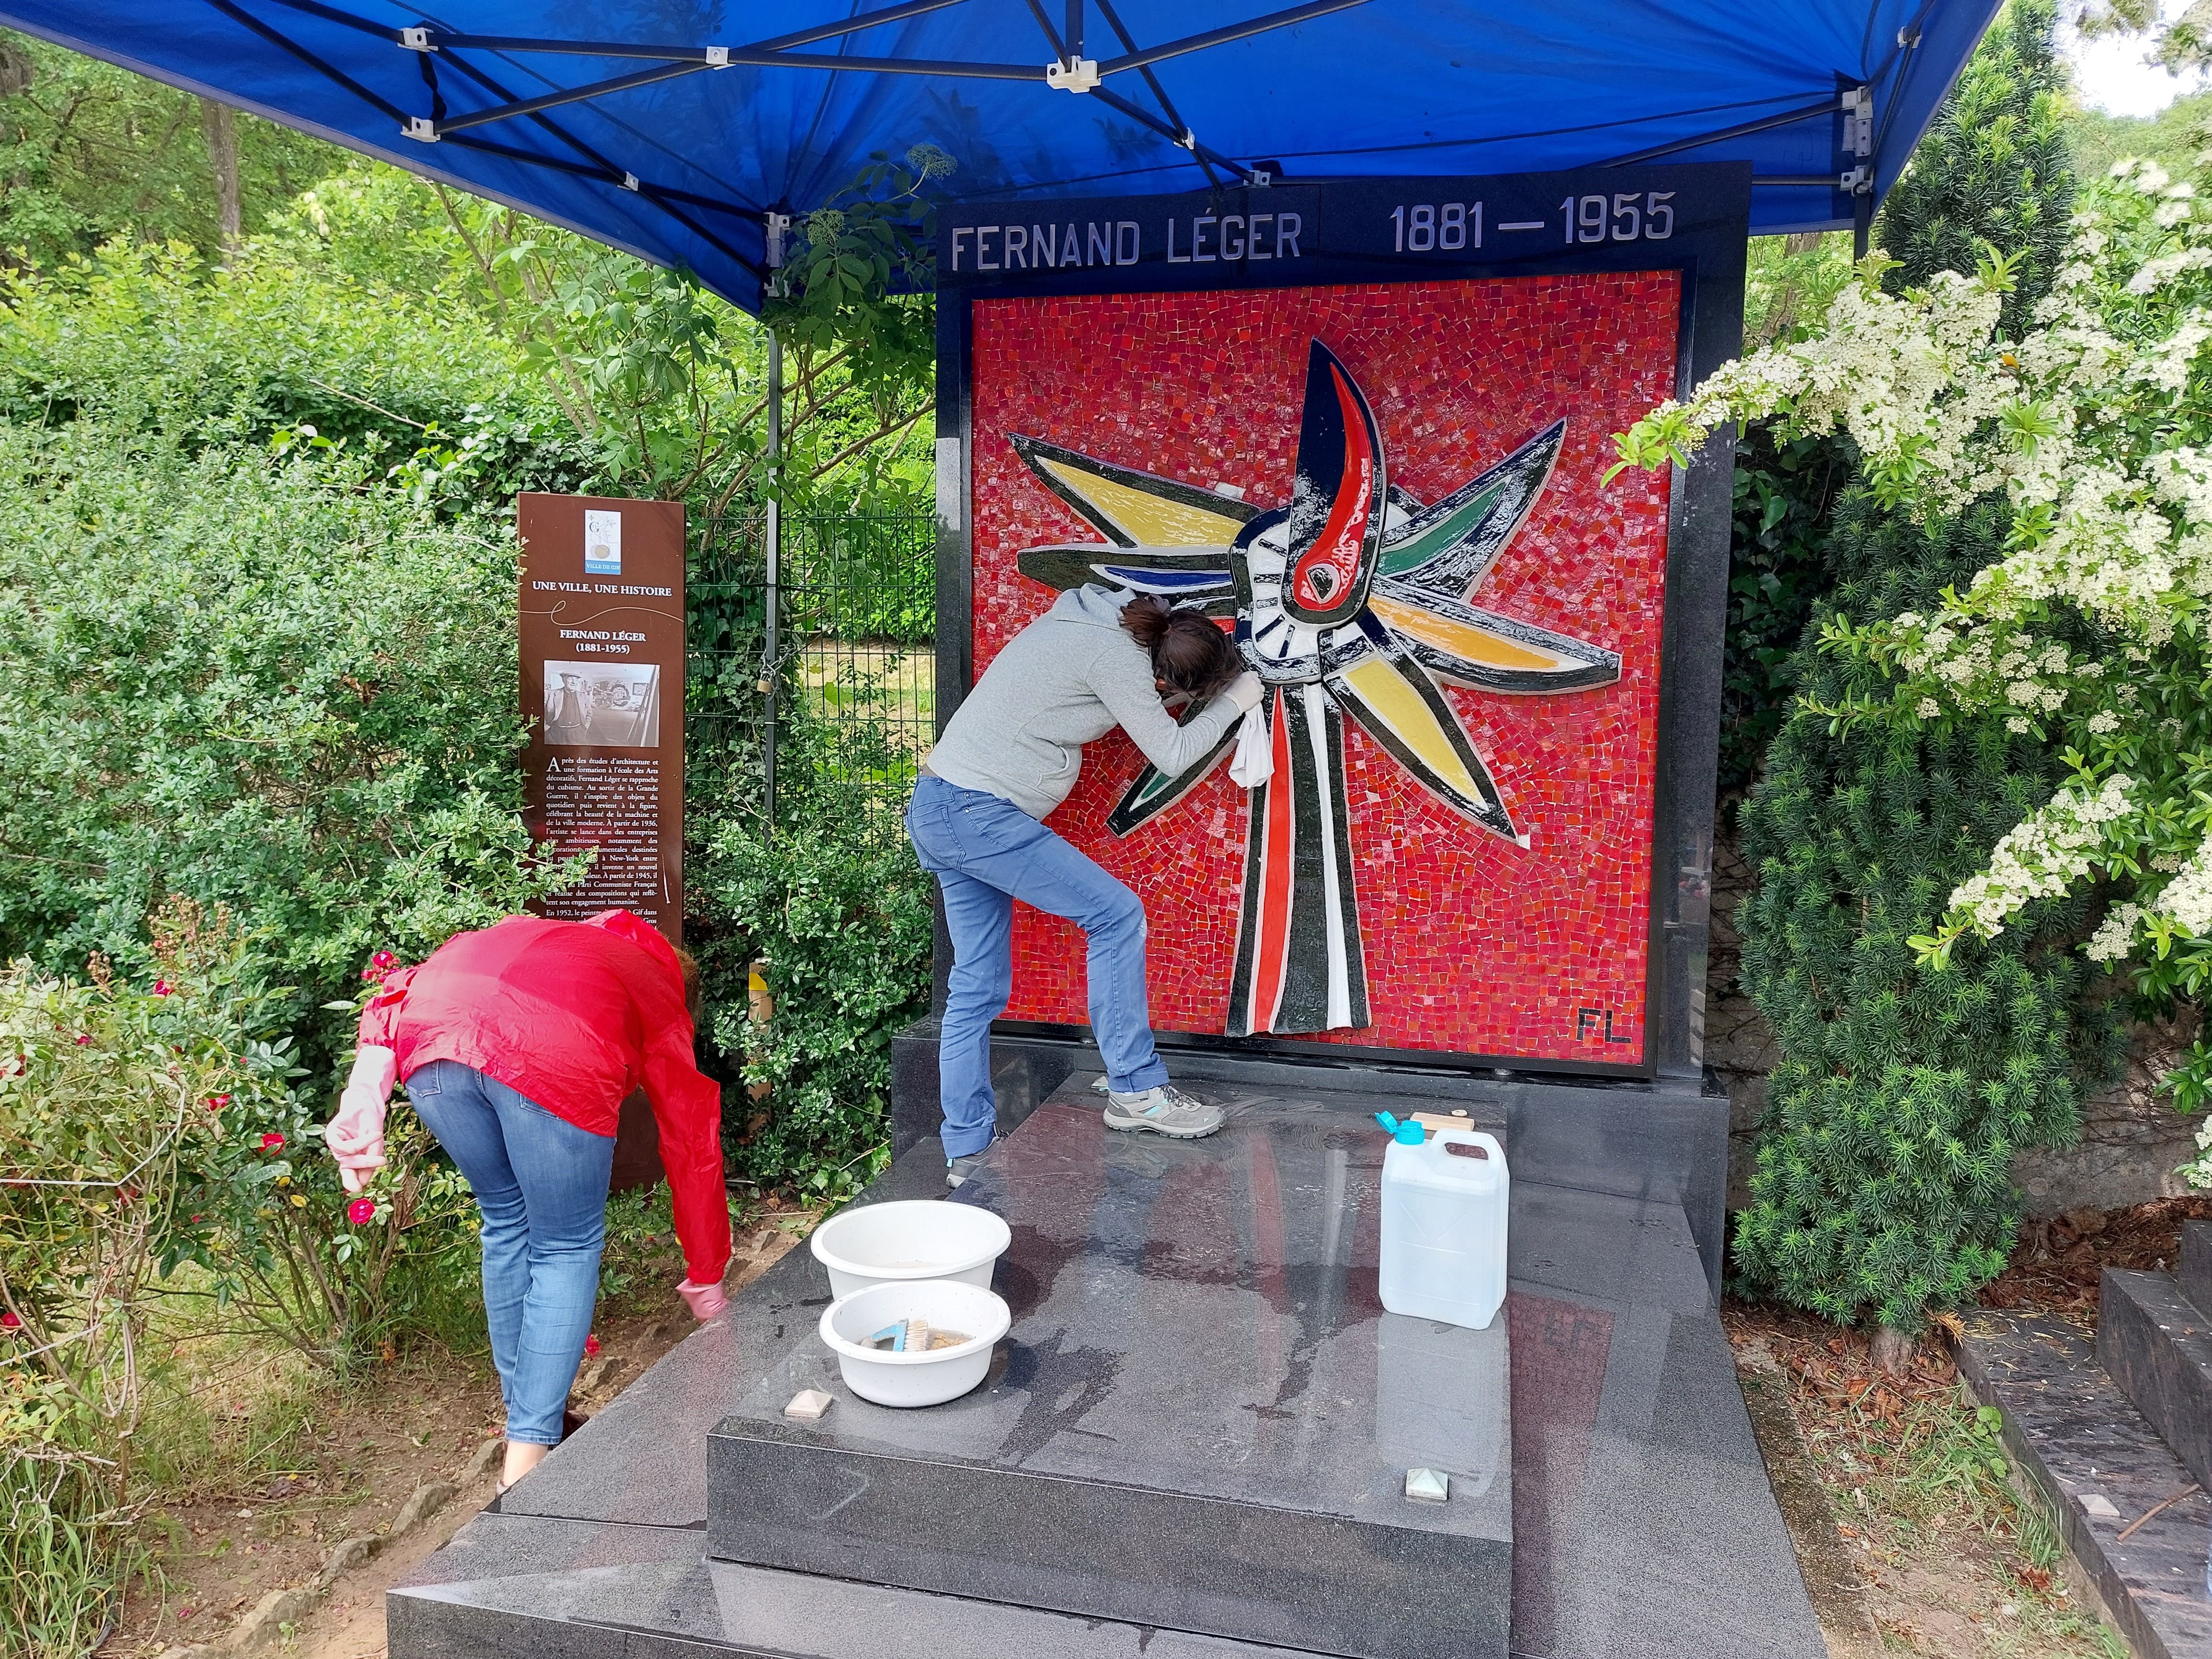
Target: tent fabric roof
(722,121)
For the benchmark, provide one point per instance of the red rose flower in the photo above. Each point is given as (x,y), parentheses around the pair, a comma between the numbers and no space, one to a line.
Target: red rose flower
(591,1345)
(361,1209)
(217,1102)
(383,959)
(162,988)
(83,1038)
(8,1321)
(271,1141)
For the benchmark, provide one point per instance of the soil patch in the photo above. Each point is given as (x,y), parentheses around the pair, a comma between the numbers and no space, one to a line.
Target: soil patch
(2060,1260)
(1910,1530)
(354,1460)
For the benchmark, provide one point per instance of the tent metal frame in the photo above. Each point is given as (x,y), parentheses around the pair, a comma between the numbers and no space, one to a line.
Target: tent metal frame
(1068,70)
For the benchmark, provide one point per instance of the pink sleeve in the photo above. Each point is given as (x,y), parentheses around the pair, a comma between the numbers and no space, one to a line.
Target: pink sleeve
(379,1020)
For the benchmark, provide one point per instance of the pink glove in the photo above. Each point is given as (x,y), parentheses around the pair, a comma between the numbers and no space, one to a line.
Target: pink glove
(705,1301)
(355,1134)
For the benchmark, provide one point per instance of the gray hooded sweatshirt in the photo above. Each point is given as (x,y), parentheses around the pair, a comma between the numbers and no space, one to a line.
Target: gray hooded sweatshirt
(1070,677)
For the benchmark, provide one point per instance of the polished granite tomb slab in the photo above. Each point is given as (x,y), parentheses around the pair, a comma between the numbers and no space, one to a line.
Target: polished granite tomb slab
(1202,1419)
(1662,1138)
(1642,1520)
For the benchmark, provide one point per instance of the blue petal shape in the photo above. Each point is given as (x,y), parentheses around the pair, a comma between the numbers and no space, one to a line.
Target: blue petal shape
(1162,581)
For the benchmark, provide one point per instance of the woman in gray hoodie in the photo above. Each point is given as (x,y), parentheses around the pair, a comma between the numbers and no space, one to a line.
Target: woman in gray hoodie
(1010,754)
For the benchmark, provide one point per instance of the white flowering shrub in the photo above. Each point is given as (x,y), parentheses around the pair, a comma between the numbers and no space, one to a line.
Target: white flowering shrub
(2095,425)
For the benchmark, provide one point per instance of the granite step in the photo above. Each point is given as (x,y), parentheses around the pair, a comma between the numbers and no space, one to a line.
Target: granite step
(554,1590)
(2195,1276)
(2107,1473)
(2156,1344)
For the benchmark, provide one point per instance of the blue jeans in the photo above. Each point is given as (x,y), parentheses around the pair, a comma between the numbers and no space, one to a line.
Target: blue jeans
(542,1185)
(986,852)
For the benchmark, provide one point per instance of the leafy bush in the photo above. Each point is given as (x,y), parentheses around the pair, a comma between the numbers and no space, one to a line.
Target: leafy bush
(1785,494)
(188,1085)
(265,684)
(156,1149)
(836,912)
(102,1095)
(1884,1183)
(153,338)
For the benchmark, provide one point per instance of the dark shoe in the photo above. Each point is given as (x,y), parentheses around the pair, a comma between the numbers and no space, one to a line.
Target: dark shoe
(572,1421)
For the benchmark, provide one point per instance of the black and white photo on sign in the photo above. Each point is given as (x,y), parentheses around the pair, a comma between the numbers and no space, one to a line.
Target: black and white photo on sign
(603,705)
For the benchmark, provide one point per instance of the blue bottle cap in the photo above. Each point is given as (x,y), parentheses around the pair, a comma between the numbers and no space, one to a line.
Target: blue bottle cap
(1406,1135)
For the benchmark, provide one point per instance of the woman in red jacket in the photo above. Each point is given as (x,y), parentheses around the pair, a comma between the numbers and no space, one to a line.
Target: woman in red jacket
(517,1045)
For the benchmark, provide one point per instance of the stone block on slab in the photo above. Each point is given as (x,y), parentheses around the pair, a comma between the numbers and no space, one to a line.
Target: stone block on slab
(1201,1420)
(2195,1275)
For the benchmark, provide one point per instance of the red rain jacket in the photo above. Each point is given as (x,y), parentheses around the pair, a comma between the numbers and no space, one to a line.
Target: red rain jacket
(573,1016)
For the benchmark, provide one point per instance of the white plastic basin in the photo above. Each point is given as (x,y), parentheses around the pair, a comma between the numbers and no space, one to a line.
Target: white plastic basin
(915,1379)
(912,1239)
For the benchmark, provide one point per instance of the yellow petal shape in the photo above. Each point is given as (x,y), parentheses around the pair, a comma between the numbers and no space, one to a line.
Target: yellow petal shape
(1388,697)
(1462,640)
(1151,520)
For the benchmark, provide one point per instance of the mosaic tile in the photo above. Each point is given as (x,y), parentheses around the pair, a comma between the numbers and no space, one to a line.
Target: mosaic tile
(1473,944)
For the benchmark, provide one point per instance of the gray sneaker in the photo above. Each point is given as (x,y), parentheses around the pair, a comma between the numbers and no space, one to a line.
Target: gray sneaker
(1165,1109)
(958,1169)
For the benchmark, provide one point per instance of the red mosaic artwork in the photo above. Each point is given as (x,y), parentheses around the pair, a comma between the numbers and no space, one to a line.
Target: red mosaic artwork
(1474,944)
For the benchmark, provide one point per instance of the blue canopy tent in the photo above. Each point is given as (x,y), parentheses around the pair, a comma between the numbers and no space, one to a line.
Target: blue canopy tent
(672,132)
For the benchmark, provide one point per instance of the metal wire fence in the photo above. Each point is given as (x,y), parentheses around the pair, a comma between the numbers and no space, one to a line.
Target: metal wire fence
(853,706)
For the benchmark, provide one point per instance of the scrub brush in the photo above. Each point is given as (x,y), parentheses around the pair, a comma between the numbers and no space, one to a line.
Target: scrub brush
(908,1336)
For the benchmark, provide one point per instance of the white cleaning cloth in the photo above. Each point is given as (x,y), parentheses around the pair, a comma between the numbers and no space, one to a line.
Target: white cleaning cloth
(1254,762)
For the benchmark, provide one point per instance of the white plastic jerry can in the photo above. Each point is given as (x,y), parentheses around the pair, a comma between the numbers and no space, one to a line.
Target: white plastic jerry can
(1444,1199)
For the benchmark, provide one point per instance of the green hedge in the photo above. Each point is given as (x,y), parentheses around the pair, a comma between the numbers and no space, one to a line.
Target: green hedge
(274,684)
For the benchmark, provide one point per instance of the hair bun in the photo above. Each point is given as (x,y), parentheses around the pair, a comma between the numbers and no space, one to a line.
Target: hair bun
(1146,618)
(1188,651)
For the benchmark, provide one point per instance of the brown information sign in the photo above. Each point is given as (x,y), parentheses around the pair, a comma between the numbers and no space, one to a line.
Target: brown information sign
(603,693)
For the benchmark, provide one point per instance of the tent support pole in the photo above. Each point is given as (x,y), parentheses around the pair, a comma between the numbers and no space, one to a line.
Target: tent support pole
(772,672)
(1862,223)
